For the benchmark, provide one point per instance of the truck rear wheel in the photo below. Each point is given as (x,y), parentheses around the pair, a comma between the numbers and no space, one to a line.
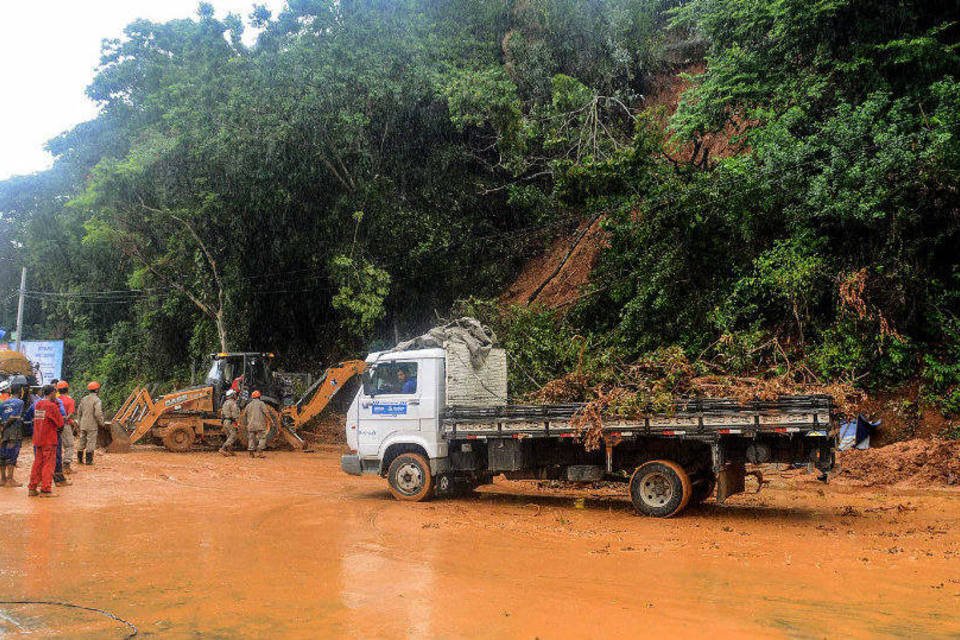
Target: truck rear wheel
(660,488)
(409,478)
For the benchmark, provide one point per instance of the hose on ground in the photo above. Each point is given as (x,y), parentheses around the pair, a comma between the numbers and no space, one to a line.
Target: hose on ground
(55,603)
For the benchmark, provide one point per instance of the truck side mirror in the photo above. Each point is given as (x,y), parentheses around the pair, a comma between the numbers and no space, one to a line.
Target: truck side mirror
(369,388)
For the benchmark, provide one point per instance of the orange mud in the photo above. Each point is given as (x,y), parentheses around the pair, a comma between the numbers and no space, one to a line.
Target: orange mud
(201,546)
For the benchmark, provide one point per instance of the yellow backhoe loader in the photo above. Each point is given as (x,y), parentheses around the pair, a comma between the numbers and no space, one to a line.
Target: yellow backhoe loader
(190,416)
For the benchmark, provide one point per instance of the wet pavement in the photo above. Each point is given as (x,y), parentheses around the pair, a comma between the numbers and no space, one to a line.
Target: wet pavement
(201,546)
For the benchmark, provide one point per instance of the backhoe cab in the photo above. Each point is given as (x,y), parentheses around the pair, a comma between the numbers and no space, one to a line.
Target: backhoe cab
(244,372)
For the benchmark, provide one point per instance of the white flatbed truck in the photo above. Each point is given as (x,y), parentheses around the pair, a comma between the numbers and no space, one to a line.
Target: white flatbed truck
(426,440)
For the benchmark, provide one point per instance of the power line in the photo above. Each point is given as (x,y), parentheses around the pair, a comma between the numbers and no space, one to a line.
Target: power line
(84,294)
(125,296)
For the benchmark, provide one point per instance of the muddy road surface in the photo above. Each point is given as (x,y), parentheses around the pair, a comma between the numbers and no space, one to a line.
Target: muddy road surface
(201,546)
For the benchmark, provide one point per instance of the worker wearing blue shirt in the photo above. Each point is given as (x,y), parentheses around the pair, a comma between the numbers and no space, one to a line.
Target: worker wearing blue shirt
(11,432)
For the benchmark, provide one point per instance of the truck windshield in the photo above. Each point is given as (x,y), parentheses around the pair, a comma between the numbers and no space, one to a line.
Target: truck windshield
(391,378)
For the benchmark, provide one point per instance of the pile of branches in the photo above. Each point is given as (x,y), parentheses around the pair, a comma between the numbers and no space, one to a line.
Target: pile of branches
(660,380)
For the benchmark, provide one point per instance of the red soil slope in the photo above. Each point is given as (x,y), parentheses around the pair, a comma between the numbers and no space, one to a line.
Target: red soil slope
(540,282)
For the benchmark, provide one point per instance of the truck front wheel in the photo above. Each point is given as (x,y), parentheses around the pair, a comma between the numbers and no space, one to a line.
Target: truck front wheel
(660,488)
(409,478)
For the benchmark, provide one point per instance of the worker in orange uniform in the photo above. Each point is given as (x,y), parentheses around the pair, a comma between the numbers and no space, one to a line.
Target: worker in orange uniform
(90,419)
(70,425)
(229,413)
(47,423)
(256,419)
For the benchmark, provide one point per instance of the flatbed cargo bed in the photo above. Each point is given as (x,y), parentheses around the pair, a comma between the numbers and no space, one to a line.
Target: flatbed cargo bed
(693,417)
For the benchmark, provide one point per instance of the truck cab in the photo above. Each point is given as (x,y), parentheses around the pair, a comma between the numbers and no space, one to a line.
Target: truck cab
(396,410)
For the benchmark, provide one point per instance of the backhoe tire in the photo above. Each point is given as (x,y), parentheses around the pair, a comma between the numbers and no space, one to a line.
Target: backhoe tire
(179,438)
(660,488)
(409,478)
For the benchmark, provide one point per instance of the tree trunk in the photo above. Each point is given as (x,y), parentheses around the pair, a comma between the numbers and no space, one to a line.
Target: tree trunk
(221,331)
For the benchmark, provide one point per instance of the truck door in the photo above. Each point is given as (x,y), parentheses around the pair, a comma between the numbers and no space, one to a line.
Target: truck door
(389,402)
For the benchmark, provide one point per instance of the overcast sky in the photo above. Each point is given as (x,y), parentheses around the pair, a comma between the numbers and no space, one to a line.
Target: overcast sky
(48,52)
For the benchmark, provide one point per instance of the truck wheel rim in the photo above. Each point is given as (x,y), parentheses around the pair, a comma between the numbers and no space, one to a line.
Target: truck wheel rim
(409,478)
(656,490)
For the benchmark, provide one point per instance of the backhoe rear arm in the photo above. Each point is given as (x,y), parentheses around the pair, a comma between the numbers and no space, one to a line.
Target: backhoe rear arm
(332,381)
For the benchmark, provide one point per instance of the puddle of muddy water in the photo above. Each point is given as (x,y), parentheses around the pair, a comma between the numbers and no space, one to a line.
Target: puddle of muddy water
(201,546)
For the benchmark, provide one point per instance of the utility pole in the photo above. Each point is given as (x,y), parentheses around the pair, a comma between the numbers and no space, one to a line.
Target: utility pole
(23,292)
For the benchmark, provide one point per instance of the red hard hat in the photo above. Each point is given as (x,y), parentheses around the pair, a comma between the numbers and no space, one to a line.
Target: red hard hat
(255,394)
(62,385)
(93,386)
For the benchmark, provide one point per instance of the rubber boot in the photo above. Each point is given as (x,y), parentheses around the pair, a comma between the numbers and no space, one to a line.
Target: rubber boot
(90,458)
(11,482)
(3,475)
(67,468)
(61,480)
(80,457)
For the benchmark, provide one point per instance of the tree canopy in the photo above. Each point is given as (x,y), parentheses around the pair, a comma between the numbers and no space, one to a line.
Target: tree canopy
(367,163)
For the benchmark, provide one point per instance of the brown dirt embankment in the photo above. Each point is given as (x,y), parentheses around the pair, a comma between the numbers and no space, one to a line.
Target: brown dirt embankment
(918,463)
(556,278)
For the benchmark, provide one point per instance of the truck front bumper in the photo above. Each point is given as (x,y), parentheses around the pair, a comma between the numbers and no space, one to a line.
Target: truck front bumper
(351,464)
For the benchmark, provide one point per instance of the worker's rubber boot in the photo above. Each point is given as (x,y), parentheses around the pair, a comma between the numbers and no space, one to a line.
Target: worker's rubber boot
(61,480)
(90,458)
(80,457)
(11,482)
(33,493)
(67,469)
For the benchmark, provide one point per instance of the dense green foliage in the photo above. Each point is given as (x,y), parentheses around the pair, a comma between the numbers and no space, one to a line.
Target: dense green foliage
(834,225)
(368,162)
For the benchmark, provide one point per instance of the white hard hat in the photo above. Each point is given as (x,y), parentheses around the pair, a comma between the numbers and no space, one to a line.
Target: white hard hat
(231,392)
(4,385)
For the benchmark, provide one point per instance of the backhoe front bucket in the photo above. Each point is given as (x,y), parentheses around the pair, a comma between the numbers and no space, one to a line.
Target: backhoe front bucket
(114,438)
(134,419)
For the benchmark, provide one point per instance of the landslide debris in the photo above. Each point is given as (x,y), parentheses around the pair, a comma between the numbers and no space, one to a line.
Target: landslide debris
(918,462)
(660,380)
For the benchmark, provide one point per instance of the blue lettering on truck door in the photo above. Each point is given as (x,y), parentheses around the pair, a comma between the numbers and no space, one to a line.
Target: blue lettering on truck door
(389,408)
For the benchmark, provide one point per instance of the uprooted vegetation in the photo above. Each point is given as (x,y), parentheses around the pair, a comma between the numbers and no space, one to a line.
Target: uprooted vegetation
(662,379)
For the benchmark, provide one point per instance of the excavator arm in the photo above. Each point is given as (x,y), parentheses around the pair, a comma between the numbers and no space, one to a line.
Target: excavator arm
(318,396)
